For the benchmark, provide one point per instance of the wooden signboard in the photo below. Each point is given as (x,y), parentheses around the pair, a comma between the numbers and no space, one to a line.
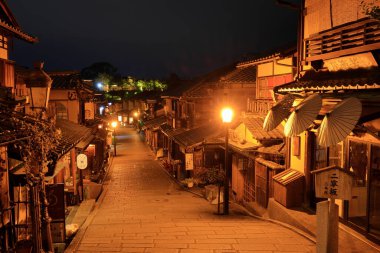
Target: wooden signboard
(189,161)
(333,182)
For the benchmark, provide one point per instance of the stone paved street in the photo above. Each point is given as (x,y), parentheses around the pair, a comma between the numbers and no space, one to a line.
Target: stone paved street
(142,210)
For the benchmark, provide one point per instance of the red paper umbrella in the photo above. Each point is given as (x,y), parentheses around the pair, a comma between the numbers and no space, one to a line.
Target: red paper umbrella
(278,113)
(303,115)
(336,125)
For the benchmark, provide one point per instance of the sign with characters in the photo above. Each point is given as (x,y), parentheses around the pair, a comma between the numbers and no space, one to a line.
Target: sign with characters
(82,161)
(189,161)
(333,182)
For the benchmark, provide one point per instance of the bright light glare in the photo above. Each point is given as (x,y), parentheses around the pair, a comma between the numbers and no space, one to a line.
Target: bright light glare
(120,118)
(101,109)
(136,114)
(227,115)
(99,85)
(114,124)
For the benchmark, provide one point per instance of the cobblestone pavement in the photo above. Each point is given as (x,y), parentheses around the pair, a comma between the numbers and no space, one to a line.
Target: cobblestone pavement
(144,211)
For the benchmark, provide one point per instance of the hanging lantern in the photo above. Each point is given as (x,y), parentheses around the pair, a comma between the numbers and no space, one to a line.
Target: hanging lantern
(38,84)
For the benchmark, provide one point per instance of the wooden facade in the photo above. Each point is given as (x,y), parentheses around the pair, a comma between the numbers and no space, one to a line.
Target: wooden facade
(341,43)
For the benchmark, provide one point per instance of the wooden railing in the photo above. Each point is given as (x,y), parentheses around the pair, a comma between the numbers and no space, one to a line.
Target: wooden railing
(259,106)
(356,37)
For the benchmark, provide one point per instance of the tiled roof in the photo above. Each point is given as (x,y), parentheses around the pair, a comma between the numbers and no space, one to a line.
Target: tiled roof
(274,149)
(263,56)
(154,123)
(179,89)
(170,131)
(208,82)
(255,126)
(71,135)
(241,75)
(197,135)
(270,164)
(68,81)
(339,80)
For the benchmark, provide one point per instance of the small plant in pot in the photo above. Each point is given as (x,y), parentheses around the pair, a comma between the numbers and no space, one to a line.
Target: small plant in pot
(189,182)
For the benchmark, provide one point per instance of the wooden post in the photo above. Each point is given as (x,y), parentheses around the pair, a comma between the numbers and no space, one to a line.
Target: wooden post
(81,184)
(331,182)
(332,243)
(327,227)
(322,226)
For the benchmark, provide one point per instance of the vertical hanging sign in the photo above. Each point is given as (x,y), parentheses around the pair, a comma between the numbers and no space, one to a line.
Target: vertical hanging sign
(189,163)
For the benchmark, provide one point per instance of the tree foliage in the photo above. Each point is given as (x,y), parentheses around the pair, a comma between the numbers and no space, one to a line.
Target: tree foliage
(37,151)
(95,69)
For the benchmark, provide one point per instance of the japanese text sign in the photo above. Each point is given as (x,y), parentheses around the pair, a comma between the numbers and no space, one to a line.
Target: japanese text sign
(333,182)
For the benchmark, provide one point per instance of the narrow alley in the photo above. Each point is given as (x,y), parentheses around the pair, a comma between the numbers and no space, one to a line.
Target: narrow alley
(143,210)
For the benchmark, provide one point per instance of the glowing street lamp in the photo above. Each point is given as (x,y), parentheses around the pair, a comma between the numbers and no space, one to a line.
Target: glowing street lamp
(114,125)
(227,115)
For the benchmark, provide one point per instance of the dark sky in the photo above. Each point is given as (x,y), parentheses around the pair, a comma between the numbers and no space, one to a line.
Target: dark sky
(150,38)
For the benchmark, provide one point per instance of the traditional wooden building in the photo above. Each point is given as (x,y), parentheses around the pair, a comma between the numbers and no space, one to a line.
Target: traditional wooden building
(10,97)
(252,150)
(339,71)
(271,70)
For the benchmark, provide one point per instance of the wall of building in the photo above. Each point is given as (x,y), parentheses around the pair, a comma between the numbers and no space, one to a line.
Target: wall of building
(297,162)
(89,108)
(318,16)
(275,67)
(243,133)
(4,51)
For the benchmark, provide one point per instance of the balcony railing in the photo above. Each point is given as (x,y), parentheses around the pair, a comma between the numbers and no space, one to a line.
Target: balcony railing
(259,106)
(356,37)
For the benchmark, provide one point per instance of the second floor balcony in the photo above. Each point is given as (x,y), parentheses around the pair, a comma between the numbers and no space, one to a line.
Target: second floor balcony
(351,38)
(259,107)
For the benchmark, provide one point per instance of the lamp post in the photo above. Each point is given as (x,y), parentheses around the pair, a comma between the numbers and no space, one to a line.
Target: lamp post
(227,115)
(114,125)
(39,84)
(136,115)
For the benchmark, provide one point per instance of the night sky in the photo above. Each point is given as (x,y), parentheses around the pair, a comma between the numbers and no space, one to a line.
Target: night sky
(150,38)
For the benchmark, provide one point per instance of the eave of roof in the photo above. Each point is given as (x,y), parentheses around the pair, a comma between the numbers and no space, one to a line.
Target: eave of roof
(72,134)
(278,54)
(359,79)
(18,32)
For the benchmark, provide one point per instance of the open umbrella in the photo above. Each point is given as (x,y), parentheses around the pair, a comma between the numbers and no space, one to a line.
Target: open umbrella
(338,123)
(278,113)
(303,115)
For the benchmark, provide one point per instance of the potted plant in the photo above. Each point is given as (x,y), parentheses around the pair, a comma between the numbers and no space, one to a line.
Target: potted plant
(189,182)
